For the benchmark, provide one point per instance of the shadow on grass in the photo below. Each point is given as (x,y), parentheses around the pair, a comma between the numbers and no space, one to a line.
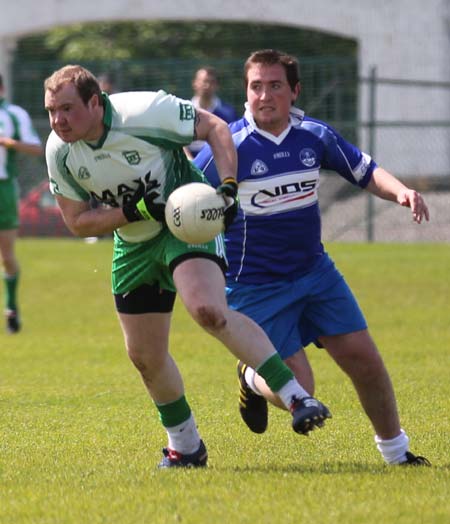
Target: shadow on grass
(334,468)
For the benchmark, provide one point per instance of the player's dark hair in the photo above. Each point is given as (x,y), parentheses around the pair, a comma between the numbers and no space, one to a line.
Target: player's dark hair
(85,82)
(272,57)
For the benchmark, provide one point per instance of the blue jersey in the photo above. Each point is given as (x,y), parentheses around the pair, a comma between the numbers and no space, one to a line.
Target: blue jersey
(277,233)
(225,111)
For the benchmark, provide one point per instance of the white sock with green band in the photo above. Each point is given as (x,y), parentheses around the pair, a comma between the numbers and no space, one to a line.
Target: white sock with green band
(184,437)
(289,390)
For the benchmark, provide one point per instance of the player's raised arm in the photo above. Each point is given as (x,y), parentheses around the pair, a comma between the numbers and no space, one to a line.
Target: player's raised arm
(386,186)
(216,132)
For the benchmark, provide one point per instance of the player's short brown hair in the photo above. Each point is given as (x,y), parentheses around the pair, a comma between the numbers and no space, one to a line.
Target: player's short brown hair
(272,57)
(85,82)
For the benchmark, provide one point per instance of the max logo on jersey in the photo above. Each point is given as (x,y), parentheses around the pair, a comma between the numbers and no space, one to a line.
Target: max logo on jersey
(284,193)
(125,191)
(308,157)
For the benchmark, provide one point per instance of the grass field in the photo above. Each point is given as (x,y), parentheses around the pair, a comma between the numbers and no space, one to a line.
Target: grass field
(79,439)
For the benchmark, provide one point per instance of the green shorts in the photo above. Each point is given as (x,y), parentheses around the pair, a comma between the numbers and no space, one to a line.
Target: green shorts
(153,261)
(9,197)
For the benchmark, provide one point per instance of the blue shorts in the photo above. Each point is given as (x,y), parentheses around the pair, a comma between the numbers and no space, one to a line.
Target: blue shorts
(296,312)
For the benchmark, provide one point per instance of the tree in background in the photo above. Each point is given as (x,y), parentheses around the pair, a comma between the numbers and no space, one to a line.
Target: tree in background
(153,55)
(188,40)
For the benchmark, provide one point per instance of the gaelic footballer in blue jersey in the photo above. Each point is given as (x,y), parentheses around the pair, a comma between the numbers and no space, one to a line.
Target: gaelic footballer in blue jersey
(279,273)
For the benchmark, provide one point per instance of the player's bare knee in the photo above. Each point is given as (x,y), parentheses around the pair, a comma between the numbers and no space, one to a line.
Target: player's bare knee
(210,318)
(142,362)
(136,359)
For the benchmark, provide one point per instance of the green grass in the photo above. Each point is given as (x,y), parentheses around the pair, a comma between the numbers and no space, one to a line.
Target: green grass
(79,439)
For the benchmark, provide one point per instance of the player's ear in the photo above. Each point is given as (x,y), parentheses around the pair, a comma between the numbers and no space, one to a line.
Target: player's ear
(295,93)
(94,101)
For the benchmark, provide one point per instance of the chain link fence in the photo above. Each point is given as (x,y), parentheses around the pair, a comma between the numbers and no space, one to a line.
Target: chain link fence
(415,147)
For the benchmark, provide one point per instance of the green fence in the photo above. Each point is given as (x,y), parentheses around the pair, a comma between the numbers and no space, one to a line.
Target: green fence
(331,91)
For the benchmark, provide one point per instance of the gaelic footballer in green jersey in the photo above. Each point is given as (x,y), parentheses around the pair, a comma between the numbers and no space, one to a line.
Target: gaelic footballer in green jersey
(17,135)
(144,133)
(127,152)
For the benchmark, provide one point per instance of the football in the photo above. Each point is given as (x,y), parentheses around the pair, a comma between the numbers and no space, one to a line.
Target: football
(195,213)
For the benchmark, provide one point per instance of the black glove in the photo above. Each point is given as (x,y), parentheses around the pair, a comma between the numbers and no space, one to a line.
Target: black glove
(142,205)
(229,189)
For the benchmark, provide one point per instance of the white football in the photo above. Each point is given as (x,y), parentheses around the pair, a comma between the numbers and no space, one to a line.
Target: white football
(195,213)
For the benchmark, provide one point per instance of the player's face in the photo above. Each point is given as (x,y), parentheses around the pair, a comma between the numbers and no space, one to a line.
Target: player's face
(70,118)
(270,97)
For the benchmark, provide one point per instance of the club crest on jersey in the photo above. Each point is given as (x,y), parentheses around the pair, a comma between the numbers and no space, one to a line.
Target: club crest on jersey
(132,157)
(308,157)
(83,173)
(258,168)
(187,112)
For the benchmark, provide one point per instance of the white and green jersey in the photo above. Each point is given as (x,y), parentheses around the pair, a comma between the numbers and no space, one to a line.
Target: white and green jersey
(15,123)
(144,133)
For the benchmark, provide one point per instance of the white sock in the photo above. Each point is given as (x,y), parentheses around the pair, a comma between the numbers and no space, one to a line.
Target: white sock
(249,376)
(184,437)
(291,391)
(286,393)
(394,449)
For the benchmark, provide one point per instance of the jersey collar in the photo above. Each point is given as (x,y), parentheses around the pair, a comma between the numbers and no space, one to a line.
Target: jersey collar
(107,117)
(295,118)
(107,122)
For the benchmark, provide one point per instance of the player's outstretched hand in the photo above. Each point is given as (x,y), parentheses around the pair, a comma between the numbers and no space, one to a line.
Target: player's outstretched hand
(142,205)
(229,190)
(414,200)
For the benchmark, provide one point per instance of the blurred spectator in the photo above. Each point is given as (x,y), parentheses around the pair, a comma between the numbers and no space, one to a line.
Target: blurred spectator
(205,85)
(106,83)
(17,135)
